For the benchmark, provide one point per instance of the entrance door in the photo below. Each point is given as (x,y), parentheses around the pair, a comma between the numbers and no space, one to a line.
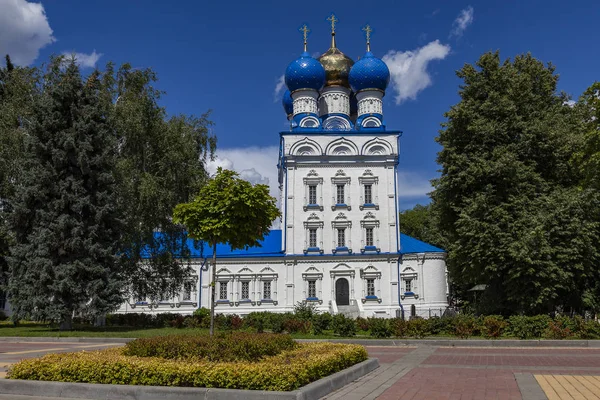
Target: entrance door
(342,292)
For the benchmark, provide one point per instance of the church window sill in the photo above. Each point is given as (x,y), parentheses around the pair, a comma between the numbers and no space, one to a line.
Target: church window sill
(344,250)
(370,249)
(341,206)
(409,295)
(368,206)
(371,299)
(313,207)
(313,300)
(313,250)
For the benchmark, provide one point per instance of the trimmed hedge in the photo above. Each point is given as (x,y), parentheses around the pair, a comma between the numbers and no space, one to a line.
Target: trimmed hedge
(284,372)
(238,346)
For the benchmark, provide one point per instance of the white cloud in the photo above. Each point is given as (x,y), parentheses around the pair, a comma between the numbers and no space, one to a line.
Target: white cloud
(464,19)
(408,69)
(570,103)
(24,30)
(255,164)
(412,185)
(279,88)
(85,60)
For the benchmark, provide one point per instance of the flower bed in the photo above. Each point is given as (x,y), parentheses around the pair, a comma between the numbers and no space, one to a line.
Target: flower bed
(238,346)
(286,371)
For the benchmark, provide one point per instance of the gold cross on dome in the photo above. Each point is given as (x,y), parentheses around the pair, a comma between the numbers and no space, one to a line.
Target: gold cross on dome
(304,29)
(367,29)
(333,20)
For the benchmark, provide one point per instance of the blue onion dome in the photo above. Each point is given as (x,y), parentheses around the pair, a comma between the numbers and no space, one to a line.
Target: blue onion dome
(369,73)
(288,102)
(304,73)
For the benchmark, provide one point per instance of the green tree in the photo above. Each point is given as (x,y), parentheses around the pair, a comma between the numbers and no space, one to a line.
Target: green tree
(66,219)
(588,158)
(161,163)
(228,210)
(420,222)
(17,88)
(507,199)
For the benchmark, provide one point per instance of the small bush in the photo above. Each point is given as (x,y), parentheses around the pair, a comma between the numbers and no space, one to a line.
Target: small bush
(320,323)
(305,311)
(284,372)
(418,327)
(380,328)
(441,325)
(362,324)
(294,325)
(494,326)
(399,327)
(239,346)
(343,325)
(589,329)
(465,326)
(257,320)
(277,321)
(559,328)
(524,327)
(3,316)
(202,314)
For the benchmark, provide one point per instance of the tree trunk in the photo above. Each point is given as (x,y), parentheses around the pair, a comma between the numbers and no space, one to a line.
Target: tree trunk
(67,323)
(213,285)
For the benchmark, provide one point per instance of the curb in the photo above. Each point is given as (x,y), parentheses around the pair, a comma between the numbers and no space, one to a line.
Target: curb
(364,342)
(311,391)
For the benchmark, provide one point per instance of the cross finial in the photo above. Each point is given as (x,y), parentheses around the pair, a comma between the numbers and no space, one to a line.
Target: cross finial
(333,20)
(367,29)
(304,29)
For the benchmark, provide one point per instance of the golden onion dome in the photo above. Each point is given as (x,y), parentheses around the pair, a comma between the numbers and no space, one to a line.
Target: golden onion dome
(337,65)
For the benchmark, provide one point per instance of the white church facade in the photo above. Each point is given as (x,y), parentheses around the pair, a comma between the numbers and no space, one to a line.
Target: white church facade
(339,246)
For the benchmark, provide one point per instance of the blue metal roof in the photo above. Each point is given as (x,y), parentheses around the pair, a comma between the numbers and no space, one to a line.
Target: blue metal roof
(409,244)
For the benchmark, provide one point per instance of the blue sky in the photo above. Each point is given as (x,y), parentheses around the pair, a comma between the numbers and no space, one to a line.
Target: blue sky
(228,56)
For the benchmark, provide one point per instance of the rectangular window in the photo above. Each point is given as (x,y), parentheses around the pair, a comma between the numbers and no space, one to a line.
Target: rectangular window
(341,233)
(369,237)
(222,290)
(408,285)
(187,293)
(312,194)
(312,288)
(267,290)
(340,195)
(245,290)
(312,237)
(370,287)
(368,194)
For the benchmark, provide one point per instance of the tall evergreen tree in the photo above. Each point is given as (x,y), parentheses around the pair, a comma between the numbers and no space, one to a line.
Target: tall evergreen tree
(507,199)
(66,217)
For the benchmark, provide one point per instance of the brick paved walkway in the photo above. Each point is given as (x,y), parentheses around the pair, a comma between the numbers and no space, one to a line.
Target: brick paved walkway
(478,374)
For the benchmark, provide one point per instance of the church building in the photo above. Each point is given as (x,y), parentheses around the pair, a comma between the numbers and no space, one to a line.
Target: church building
(339,246)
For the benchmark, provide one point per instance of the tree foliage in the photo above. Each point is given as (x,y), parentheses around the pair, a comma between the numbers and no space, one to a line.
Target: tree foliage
(420,222)
(65,219)
(229,210)
(508,200)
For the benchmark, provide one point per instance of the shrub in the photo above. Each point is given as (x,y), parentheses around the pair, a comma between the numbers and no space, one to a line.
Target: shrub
(237,346)
(343,325)
(494,326)
(418,327)
(3,316)
(295,325)
(284,372)
(230,322)
(465,325)
(589,329)
(134,320)
(305,311)
(257,320)
(441,325)
(524,327)
(202,314)
(320,323)
(277,321)
(362,324)
(380,328)
(559,328)
(177,321)
(399,327)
